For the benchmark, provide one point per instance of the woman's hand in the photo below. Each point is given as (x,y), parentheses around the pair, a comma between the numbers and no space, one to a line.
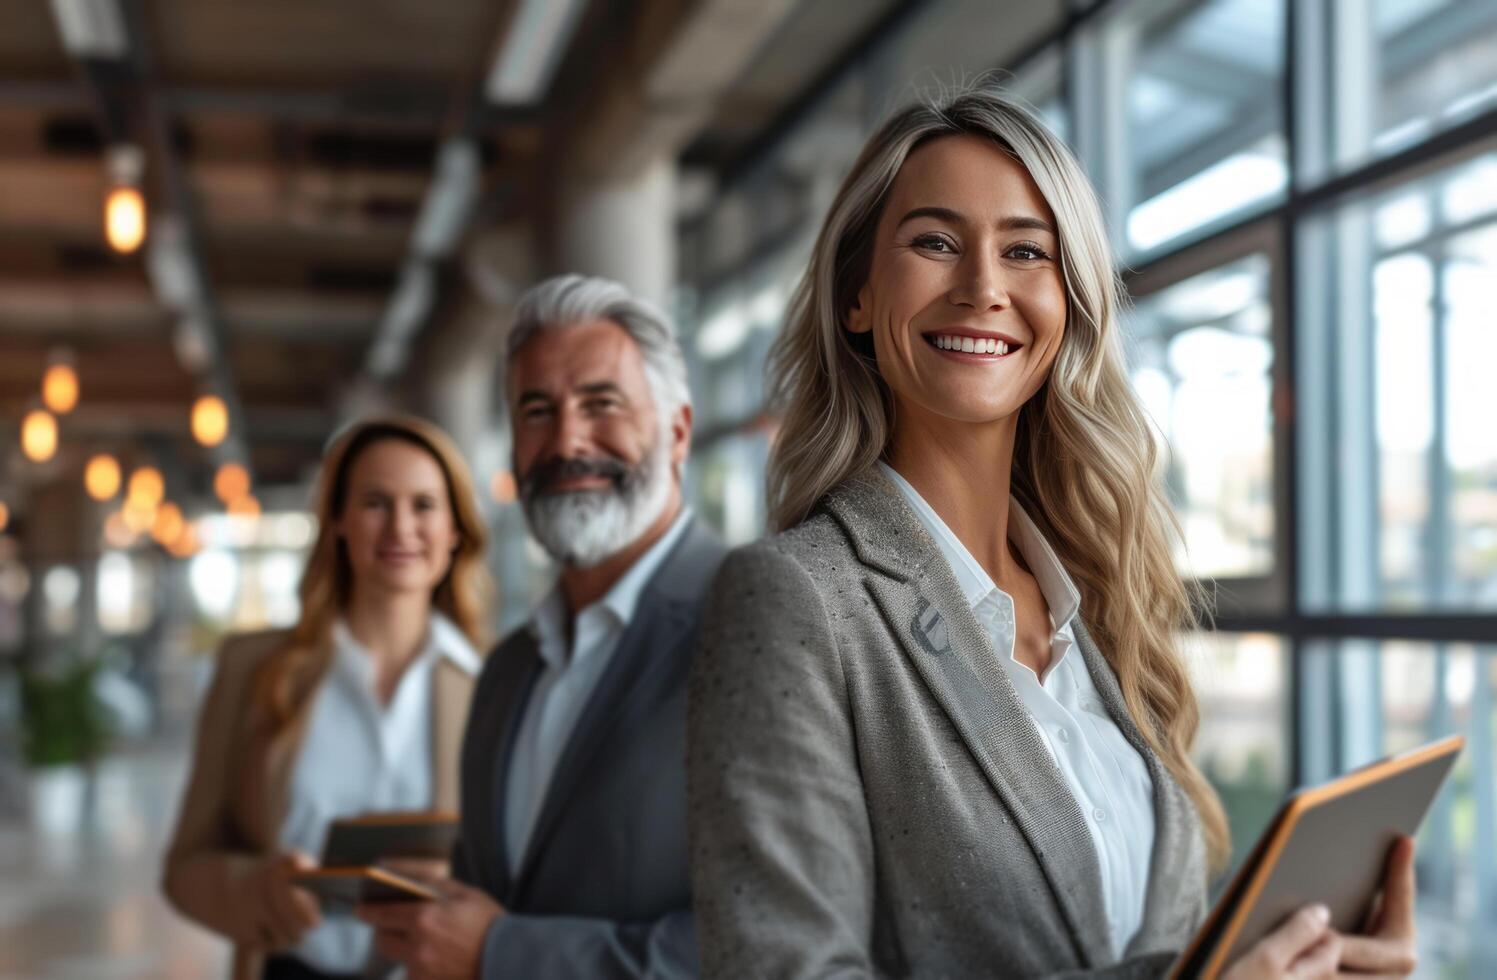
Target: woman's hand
(284,911)
(1303,948)
(1388,947)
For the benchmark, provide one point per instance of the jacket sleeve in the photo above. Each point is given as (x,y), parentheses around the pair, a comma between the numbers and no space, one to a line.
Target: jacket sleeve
(524,947)
(205,872)
(781,846)
(1146,966)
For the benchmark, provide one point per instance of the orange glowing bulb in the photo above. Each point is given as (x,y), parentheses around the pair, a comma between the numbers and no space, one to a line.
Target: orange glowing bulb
(231,482)
(168,524)
(39,436)
(147,486)
(210,420)
(125,219)
(101,478)
(186,544)
(60,388)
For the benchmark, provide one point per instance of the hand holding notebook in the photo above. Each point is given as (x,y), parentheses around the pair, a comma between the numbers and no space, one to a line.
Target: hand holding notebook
(1335,845)
(380,857)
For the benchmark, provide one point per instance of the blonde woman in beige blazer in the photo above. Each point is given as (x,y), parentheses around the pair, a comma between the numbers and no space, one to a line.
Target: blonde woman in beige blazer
(391,604)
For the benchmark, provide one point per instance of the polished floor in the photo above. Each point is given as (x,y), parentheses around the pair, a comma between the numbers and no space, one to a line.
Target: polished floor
(79,862)
(80,857)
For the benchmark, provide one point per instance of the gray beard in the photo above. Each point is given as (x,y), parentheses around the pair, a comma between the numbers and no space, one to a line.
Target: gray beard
(582,528)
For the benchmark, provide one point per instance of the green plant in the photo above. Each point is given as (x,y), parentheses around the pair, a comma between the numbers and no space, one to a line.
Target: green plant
(62,720)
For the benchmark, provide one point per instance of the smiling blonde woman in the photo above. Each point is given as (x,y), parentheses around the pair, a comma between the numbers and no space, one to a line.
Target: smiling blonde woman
(939,726)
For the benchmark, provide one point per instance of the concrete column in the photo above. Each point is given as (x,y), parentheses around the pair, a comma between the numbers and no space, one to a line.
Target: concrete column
(456,382)
(461,387)
(622,227)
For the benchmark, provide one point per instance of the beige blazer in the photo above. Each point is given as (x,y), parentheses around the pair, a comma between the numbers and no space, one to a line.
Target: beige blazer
(236,795)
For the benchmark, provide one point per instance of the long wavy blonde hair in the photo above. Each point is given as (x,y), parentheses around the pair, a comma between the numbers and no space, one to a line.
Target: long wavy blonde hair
(1085,457)
(327,581)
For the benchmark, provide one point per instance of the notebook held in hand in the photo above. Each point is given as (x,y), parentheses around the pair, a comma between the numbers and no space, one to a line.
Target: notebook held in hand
(1328,844)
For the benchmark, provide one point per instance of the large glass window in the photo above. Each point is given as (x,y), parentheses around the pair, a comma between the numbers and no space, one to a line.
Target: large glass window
(1364,700)
(1201,358)
(1198,85)
(248,573)
(1399,458)
(126,585)
(1243,742)
(1403,70)
(1040,83)
(728,484)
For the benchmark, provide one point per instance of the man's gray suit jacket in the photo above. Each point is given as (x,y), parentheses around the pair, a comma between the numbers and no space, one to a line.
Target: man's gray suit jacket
(603,890)
(869,796)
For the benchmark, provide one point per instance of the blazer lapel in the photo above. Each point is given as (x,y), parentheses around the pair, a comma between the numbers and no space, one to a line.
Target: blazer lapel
(1176,832)
(924,607)
(642,650)
(486,750)
(451,692)
(650,645)
(271,758)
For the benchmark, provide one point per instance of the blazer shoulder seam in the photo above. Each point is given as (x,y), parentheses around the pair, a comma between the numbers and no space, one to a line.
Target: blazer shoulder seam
(782,546)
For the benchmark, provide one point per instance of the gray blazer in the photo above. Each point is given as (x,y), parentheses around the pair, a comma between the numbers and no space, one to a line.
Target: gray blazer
(603,889)
(868,794)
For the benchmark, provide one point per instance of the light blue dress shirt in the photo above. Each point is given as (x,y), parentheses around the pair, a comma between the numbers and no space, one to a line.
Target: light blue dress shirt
(567,680)
(1104,772)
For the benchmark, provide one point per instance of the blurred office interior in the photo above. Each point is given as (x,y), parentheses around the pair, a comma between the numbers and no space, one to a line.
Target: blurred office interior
(341,199)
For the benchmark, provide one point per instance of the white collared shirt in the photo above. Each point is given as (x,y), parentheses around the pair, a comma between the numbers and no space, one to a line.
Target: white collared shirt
(359,756)
(566,683)
(1105,773)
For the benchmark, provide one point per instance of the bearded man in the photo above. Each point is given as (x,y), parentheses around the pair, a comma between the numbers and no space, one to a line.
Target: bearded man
(572,861)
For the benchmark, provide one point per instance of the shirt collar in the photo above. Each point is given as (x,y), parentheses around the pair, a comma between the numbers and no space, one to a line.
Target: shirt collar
(453,643)
(1060,592)
(349,658)
(623,598)
(443,639)
(549,623)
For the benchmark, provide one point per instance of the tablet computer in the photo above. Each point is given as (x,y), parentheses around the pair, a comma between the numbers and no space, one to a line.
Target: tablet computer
(1327,844)
(373,837)
(340,889)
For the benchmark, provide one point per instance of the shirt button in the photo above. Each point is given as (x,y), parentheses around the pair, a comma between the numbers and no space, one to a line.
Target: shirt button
(1100,815)
(1063,734)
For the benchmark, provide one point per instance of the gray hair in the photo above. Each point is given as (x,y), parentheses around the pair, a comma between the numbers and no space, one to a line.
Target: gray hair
(565,301)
